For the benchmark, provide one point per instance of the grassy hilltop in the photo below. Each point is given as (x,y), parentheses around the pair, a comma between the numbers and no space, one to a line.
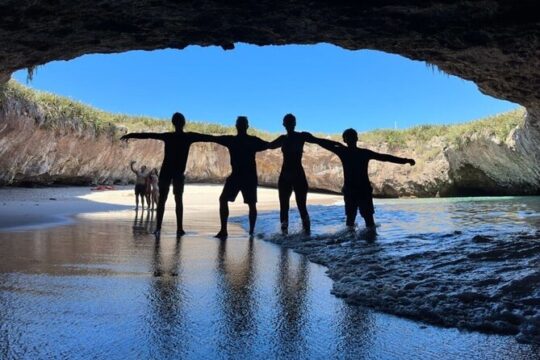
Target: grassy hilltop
(58,109)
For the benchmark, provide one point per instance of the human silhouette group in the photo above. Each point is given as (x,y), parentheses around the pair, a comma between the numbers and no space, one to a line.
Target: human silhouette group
(357,190)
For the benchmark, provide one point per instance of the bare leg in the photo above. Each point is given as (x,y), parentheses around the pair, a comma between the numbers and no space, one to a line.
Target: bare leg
(284,198)
(350,211)
(252,217)
(136,201)
(223,217)
(179,215)
(370,222)
(301,200)
(163,194)
(155,197)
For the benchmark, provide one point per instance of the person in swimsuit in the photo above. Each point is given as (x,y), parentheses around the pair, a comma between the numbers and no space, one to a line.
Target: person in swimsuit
(292,176)
(153,187)
(357,190)
(177,144)
(243,178)
(140,184)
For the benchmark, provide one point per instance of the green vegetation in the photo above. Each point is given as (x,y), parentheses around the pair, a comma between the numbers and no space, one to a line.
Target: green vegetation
(59,111)
(498,126)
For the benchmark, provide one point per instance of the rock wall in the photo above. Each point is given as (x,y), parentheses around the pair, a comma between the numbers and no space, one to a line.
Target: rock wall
(491,42)
(32,152)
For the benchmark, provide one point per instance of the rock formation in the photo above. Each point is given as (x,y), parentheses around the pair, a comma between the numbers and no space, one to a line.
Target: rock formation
(39,144)
(494,43)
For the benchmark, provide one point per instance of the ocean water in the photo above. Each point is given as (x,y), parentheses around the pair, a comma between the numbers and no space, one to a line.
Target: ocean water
(467,263)
(103,288)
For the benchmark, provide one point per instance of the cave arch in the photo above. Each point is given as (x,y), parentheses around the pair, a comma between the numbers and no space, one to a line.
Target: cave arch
(493,42)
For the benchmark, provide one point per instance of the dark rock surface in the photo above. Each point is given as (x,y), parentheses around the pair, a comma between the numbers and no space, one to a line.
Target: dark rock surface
(494,43)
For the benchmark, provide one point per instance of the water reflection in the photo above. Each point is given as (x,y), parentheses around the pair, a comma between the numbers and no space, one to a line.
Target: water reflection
(236,298)
(166,299)
(291,291)
(143,224)
(100,289)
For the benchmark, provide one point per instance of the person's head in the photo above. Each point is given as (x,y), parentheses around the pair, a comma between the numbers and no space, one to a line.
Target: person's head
(154,171)
(242,124)
(178,121)
(350,137)
(143,168)
(289,122)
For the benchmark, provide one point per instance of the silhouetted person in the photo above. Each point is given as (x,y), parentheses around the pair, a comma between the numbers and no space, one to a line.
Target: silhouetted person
(292,176)
(177,145)
(242,149)
(357,190)
(140,184)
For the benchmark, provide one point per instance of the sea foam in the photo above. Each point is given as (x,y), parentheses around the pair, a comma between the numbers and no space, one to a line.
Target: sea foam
(467,263)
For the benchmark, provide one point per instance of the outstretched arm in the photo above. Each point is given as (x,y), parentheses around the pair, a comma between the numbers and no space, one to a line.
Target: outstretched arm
(329,145)
(156,136)
(221,139)
(276,143)
(131,166)
(261,145)
(198,137)
(391,158)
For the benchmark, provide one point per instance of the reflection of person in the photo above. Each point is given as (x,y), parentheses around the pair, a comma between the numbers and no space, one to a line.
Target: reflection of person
(242,149)
(140,184)
(236,274)
(292,176)
(357,190)
(177,144)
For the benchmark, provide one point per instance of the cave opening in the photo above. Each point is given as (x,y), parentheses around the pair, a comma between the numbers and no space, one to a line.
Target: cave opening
(323,84)
(397,104)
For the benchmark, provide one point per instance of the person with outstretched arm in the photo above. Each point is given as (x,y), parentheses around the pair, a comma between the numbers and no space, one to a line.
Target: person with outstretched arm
(140,184)
(292,176)
(357,190)
(177,144)
(243,178)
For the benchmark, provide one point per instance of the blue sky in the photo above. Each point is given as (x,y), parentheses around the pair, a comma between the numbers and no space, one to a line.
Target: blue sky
(326,87)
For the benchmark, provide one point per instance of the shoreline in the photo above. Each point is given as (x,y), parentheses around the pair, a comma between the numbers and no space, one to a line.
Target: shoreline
(23,208)
(201,220)
(33,208)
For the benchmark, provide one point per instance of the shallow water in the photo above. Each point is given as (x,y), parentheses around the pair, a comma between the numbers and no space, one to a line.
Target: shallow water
(470,263)
(103,288)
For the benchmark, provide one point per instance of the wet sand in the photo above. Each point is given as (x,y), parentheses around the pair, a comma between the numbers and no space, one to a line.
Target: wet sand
(101,287)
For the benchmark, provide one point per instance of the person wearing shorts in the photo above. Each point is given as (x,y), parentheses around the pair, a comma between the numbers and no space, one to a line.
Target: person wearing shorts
(242,149)
(236,184)
(357,190)
(140,184)
(358,200)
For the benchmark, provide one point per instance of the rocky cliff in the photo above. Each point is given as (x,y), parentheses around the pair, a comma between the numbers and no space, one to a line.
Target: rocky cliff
(46,139)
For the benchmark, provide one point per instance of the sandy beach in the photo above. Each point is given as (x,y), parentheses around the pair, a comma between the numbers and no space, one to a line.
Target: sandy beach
(82,276)
(25,208)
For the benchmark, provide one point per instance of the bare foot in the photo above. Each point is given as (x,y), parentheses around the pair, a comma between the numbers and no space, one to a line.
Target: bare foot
(180,233)
(222,235)
(284,228)
(157,234)
(306,226)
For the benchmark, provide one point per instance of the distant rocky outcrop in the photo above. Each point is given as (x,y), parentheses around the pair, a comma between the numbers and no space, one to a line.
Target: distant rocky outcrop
(45,139)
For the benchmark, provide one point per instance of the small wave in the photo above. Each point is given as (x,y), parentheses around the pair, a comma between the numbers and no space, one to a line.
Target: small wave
(458,265)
